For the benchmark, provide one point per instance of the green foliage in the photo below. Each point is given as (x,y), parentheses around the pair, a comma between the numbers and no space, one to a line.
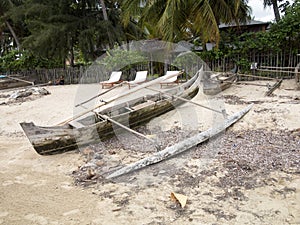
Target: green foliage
(117,59)
(61,30)
(75,31)
(185,60)
(17,61)
(243,64)
(282,35)
(216,53)
(287,31)
(174,20)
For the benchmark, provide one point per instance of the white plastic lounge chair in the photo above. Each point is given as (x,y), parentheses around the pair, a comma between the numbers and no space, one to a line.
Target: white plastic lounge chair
(115,78)
(172,80)
(140,77)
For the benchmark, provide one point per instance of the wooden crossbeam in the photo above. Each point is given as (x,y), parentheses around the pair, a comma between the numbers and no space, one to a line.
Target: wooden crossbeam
(128,129)
(186,100)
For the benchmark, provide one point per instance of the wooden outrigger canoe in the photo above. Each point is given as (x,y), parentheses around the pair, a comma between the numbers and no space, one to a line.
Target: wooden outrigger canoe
(217,82)
(93,128)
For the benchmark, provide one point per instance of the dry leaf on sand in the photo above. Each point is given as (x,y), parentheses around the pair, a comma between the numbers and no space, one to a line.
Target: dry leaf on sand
(180,198)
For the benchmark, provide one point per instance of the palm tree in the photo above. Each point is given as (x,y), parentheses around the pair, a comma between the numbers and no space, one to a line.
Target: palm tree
(174,20)
(274,4)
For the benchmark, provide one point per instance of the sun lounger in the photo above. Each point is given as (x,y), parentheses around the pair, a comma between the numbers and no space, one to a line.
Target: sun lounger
(115,78)
(171,81)
(140,77)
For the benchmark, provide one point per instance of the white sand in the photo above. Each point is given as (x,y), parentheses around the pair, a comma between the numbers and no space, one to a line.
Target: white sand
(38,189)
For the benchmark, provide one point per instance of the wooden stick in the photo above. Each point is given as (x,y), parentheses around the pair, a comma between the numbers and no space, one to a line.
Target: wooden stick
(102,93)
(246,83)
(274,87)
(277,71)
(181,146)
(275,67)
(248,75)
(128,129)
(18,79)
(186,100)
(158,80)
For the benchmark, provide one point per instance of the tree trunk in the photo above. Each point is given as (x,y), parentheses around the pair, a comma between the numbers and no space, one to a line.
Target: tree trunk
(103,7)
(276,10)
(13,34)
(105,17)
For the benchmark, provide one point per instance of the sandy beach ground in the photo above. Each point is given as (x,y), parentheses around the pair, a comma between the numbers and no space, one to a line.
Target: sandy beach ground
(44,190)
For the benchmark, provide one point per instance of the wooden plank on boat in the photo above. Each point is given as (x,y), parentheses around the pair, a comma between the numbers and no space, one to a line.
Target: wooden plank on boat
(215,75)
(181,146)
(142,105)
(128,108)
(76,124)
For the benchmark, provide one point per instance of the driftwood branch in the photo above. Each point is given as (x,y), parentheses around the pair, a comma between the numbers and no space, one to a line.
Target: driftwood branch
(181,146)
(273,88)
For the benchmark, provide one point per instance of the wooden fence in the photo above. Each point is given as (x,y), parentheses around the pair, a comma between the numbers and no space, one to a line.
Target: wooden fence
(269,64)
(279,65)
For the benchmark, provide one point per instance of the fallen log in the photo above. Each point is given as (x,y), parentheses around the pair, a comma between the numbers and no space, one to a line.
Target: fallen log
(181,146)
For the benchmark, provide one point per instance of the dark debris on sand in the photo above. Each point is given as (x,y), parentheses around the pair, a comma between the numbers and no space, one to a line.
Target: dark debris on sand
(250,156)
(245,159)
(112,154)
